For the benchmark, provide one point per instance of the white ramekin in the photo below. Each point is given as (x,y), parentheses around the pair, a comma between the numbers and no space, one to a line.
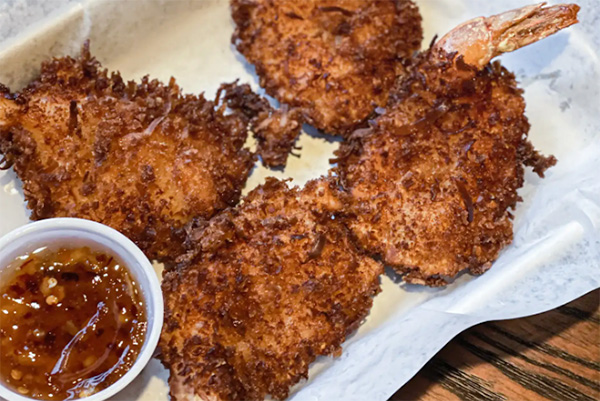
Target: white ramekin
(75,233)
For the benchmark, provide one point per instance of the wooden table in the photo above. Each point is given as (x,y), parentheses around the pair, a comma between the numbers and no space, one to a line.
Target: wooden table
(551,356)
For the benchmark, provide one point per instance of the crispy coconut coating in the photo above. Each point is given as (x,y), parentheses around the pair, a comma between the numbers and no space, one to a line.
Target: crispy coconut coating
(276,283)
(334,59)
(434,180)
(141,158)
(276,131)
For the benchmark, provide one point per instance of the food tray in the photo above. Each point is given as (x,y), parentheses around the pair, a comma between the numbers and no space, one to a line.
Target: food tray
(554,257)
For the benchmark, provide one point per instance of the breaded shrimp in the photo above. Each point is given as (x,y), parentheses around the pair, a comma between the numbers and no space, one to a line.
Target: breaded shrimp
(435,178)
(276,282)
(141,158)
(334,59)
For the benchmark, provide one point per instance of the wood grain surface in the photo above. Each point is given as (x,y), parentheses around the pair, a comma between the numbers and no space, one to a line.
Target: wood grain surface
(551,356)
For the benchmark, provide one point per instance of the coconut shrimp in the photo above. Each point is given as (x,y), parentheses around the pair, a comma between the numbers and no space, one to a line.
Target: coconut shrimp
(277,282)
(335,60)
(434,180)
(142,158)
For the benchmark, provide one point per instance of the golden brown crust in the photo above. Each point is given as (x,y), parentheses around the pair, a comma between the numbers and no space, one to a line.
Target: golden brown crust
(334,59)
(435,178)
(277,283)
(141,158)
(276,131)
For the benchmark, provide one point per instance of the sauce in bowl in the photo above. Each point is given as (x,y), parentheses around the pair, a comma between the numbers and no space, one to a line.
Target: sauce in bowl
(72,322)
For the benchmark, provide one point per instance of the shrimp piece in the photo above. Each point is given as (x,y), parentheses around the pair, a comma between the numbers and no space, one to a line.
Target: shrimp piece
(277,282)
(435,178)
(140,157)
(333,60)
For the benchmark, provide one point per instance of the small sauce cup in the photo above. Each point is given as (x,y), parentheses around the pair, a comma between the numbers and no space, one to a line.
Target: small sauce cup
(75,233)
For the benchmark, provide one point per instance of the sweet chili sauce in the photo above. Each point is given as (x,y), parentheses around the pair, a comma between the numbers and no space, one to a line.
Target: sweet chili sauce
(72,322)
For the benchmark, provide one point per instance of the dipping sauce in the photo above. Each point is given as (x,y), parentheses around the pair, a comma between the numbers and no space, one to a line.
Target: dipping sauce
(72,322)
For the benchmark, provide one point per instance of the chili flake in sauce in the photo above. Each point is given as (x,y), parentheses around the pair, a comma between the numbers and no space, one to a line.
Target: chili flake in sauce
(72,322)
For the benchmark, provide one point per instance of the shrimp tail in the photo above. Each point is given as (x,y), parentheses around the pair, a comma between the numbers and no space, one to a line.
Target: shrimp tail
(481,39)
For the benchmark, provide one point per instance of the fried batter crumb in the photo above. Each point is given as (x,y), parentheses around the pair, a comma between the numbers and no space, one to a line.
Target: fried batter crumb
(276,130)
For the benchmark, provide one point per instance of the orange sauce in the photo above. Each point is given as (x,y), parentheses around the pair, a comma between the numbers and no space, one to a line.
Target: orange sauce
(72,322)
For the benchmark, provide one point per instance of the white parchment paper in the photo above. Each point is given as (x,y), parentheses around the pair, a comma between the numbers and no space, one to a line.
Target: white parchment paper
(555,256)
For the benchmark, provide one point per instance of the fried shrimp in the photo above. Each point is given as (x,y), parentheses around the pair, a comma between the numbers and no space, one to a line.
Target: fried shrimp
(141,158)
(276,283)
(335,60)
(435,178)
